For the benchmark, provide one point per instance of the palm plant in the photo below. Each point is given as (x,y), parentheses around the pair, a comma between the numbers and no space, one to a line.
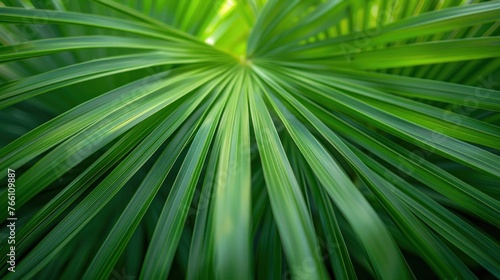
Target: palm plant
(251,139)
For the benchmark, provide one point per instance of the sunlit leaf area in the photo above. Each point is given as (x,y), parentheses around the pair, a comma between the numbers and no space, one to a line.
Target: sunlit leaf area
(249,139)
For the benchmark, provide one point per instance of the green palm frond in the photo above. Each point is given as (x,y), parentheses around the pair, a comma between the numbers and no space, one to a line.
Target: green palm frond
(246,139)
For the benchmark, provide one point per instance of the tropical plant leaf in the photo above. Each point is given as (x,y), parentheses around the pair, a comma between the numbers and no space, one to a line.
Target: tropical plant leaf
(243,139)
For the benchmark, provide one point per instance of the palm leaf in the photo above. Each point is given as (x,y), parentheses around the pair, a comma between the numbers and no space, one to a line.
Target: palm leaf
(250,139)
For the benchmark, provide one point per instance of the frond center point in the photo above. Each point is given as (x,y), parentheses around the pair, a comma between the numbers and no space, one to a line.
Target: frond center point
(243,60)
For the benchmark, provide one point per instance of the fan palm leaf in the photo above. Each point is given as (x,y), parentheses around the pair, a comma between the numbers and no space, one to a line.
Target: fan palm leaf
(251,139)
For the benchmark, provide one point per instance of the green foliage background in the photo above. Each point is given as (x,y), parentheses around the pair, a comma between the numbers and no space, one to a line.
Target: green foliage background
(251,139)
